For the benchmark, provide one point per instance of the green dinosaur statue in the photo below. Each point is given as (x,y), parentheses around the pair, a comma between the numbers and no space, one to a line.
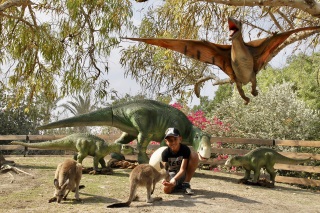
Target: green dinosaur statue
(261,158)
(84,144)
(144,120)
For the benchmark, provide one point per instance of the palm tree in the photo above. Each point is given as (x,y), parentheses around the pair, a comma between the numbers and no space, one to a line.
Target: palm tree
(79,105)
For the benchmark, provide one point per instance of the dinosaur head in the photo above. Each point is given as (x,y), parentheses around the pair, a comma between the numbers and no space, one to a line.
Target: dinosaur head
(201,143)
(233,161)
(235,28)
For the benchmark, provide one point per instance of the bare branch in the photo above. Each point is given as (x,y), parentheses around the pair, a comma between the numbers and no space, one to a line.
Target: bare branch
(310,6)
(14,3)
(285,18)
(17,18)
(200,82)
(275,20)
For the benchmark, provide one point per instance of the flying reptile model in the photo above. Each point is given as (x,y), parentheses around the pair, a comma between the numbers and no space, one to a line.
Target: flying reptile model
(241,61)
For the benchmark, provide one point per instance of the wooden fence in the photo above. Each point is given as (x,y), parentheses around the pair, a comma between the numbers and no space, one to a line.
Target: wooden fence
(217,144)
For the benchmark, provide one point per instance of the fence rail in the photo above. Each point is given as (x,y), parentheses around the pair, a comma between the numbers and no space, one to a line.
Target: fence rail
(215,141)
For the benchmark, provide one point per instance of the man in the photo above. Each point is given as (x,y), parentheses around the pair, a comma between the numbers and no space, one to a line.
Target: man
(182,163)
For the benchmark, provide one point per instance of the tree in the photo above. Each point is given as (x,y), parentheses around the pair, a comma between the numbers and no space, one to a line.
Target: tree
(275,114)
(56,47)
(309,6)
(161,69)
(78,105)
(24,119)
(303,70)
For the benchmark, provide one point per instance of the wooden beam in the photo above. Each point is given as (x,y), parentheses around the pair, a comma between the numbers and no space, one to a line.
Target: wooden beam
(297,143)
(11,147)
(300,181)
(301,155)
(12,137)
(267,142)
(227,151)
(297,168)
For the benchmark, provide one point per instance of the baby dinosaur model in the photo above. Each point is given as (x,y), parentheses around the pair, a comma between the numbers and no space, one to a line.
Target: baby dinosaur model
(144,120)
(261,158)
(84,144)
(241,61)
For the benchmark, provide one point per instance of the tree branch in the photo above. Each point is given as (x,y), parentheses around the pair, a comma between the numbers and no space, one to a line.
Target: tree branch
(309,6)
(14,3)
(218,81)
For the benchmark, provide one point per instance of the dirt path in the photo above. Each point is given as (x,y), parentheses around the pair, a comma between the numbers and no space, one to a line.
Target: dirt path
(214,192)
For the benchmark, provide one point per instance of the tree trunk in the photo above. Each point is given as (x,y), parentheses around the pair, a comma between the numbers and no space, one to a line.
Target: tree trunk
(4,161)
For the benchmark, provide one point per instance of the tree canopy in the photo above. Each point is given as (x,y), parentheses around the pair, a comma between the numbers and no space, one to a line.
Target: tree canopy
(276,113)
(56,48)
(164,71)
(303,71)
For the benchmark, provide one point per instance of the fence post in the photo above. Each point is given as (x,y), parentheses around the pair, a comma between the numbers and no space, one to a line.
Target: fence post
(26,148)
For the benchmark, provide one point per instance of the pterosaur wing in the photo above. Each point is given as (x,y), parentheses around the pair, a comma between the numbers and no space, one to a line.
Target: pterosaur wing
(219,55)
(262,49)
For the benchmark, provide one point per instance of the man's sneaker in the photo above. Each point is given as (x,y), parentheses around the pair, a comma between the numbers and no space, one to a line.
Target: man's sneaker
(187,189)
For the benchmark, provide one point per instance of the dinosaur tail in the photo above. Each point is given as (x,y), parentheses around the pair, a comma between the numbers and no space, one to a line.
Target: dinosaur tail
(286,160)
(52,145)
(101,117)
(119,205)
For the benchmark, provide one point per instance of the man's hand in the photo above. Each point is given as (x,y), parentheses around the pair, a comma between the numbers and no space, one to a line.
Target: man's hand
(173,181)
(168,186)
(166,183)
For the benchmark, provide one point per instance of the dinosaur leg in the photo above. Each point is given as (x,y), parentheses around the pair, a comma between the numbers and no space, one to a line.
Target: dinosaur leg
(124,139)
(272,173)
(96,163)
(246,177)
(256,175)
(102,163)
(241,92)
(142,145)
(80,157)
(254,90)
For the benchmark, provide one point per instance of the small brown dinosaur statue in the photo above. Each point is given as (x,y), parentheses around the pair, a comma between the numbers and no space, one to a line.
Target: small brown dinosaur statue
(241,61)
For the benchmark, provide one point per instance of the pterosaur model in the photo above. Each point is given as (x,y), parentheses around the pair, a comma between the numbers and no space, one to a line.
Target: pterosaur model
(241,61)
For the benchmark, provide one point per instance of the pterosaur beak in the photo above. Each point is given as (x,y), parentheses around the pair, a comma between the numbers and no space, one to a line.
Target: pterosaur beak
(233,27)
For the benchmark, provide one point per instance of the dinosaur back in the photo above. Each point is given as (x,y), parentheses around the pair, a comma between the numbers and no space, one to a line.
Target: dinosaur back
(101,117)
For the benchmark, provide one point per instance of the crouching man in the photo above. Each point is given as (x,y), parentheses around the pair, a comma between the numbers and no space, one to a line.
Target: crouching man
(182,163)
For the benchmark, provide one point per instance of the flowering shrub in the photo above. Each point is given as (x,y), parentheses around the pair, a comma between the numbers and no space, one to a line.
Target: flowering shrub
(275,114)
(214,126)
